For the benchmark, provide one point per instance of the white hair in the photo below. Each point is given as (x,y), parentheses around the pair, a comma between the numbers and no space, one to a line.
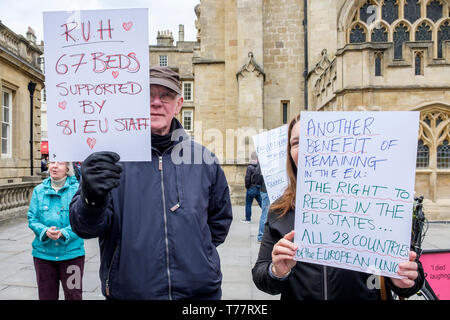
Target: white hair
(70,171)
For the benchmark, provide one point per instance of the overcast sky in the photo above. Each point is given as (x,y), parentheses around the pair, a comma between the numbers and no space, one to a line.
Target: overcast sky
(17,15)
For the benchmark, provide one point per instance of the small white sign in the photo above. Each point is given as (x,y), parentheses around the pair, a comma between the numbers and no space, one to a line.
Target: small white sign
(97,83)
(271,148)
(355,189)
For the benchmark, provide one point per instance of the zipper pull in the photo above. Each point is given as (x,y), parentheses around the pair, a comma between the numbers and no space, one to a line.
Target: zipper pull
(160,163)
(175,207)
(107,287)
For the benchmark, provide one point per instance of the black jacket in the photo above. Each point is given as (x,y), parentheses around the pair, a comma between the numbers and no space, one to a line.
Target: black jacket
(309,281)
(159,230)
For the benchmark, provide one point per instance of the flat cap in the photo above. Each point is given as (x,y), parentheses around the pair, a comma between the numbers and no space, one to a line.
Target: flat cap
(166,77)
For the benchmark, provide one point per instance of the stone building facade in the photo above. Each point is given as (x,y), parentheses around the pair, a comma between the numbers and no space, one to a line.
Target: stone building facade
(260,62)
(21,82)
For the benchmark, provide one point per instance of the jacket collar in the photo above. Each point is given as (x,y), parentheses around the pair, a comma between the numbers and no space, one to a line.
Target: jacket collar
(176,135)
(69,181)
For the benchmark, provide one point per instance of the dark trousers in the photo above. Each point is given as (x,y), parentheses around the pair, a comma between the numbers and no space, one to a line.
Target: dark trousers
(252,193)
(50,273)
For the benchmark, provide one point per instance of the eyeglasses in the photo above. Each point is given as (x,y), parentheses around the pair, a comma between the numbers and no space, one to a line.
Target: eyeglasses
(164,96)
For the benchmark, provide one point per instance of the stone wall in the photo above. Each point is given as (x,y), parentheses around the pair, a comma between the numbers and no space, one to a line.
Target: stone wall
(19,66)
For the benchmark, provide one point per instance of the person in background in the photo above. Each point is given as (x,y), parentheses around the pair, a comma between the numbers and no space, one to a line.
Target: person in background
(276,271)
(44,164)
(158,222)
(77,169)
(58,253)
(253,186)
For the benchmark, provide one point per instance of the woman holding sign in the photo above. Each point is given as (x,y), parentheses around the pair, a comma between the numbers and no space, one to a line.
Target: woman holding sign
(276,271)
(58,253)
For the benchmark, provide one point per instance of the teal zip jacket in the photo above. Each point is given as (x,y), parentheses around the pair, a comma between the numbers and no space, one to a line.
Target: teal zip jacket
(49,208)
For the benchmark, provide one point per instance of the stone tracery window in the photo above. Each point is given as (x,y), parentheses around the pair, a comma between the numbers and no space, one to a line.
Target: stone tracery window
(443,155)
(443,35)
(378,64)
(357,34)
(423,32)
(389,11)
(418,63)
(423,155)
(401,34)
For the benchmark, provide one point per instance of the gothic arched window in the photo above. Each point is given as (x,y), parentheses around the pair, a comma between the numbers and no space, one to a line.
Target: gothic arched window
(443,155)
(378,64)
(357,35)
(433,150)
(418,63)
(434,131)
(380,34)
(367,12)
(423,155)
(443,35)
(401,35)
(423,32)
(389,12)
(412,10)
(434,10)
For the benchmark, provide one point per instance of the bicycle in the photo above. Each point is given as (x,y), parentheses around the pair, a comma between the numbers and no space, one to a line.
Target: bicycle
(419,222)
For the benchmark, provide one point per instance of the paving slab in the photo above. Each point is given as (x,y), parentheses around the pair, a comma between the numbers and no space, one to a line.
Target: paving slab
(238,255)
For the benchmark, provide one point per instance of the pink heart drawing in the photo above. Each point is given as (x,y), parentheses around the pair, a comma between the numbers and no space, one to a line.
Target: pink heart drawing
(91,142)
(62,105)
(127,25)
(115,74)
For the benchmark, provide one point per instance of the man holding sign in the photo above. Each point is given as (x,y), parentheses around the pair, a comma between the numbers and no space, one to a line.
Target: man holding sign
(158,222)
(277,271)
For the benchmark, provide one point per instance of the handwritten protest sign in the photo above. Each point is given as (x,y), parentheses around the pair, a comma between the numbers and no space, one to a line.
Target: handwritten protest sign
(97,82)
(355,189)
(271,149)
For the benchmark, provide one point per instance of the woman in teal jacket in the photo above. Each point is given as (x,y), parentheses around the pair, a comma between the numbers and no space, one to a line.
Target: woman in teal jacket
(58,252)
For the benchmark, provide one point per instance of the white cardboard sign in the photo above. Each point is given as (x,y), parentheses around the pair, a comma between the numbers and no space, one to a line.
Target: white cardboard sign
(97,83)
(355,189)
(271,147)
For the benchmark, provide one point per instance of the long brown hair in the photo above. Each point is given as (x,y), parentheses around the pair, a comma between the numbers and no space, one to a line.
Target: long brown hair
(287,201)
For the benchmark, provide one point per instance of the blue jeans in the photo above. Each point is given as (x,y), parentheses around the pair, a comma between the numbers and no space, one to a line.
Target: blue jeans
(252,193)
(265,209)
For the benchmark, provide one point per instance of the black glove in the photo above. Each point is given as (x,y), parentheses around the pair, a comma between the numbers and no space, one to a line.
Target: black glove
(100,173)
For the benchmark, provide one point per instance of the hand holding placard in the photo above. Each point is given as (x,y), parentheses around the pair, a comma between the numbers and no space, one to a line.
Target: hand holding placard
(283,253)
(100,174)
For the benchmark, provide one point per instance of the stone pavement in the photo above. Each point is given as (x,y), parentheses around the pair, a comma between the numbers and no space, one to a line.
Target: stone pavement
(238,255)
(18,279)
